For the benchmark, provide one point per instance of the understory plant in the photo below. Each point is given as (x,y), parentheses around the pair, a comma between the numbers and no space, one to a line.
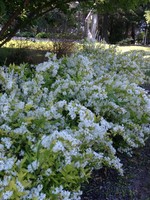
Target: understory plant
(68,117)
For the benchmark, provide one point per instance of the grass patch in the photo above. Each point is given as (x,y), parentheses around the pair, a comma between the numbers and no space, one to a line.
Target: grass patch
(48,45)
(33,52)
(134,48)
(24,51)
(28,44)
(21,55)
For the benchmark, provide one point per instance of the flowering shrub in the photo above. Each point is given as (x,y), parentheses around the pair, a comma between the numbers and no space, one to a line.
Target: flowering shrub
(66,118)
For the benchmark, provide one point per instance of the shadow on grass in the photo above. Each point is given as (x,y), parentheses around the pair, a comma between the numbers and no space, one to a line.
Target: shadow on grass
(21,55)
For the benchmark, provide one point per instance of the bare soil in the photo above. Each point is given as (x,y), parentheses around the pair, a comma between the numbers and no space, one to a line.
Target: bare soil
(107,184)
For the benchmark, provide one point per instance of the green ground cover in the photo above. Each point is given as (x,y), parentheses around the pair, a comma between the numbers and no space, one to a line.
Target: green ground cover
(63,118)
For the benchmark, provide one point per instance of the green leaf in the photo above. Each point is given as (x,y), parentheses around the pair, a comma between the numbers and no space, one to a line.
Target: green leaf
(28,107)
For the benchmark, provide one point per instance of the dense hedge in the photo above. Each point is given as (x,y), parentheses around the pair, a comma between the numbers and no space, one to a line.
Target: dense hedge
(68,117)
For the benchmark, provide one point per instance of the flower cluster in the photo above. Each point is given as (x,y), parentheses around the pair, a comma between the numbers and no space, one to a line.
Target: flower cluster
(68,117)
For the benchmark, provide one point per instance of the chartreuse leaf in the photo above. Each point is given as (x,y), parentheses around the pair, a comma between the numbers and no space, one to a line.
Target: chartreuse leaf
(29,120)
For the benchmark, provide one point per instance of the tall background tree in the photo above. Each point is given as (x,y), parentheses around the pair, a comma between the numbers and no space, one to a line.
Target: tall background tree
(147,16)
(119,18)
(18,14)
(110,20)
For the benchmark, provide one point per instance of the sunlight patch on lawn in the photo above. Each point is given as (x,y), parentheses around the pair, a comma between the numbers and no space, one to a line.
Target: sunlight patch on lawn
(134,48)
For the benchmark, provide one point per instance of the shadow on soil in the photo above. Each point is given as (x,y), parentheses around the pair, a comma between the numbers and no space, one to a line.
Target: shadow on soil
(134,185)
(21,55)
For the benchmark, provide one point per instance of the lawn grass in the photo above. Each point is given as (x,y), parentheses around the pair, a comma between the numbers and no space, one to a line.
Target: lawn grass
(19,51)
(29,44)
(33,52)
(134,48)
(47,45)
(21,55)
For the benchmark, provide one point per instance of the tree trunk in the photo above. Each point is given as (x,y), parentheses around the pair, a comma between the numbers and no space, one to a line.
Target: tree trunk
(105,28)
(94,26)
(15,23)
(133,33)
(145,36)
(91,24)
(127,30)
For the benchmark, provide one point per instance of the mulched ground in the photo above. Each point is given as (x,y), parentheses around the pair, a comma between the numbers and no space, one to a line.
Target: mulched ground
(107,184)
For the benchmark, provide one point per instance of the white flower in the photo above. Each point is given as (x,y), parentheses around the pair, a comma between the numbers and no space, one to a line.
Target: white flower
(62,103)
(5,127)
(118,128)
(1,147)
(35,192)
(57,190)
(48,172)
(7,142)
(6,180)
(77,195)
(46,141)
(6,164)
(105,124)
(47,54)
(9,83)
(129,91)
(2,164)
(58,147)
(7,195)
(20,105)
(39,187)
(6,108)
(42,196)
(33,166)
(19,186)
(44,66)
(21,130)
